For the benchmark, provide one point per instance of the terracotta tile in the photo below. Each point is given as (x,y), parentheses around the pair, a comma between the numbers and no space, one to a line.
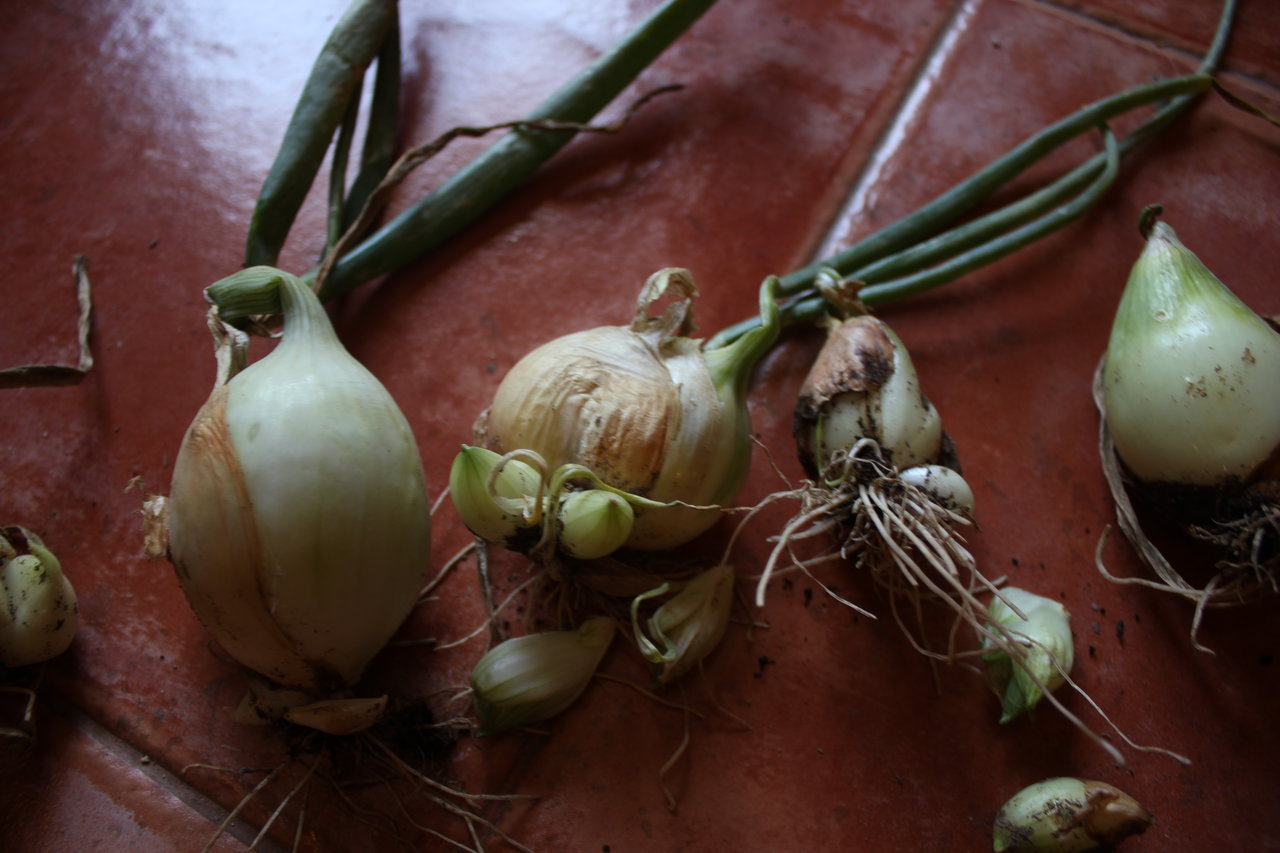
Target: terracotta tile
(83,789)
(139,135)
(1186,26)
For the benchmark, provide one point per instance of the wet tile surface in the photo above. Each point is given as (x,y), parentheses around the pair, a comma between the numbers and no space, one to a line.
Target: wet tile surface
(138,135)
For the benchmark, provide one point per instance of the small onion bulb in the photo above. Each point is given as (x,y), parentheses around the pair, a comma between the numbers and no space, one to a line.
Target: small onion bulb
(1189,394)
(863,385)
(1067,815)
(38,608)
(529,679)
(1042,637)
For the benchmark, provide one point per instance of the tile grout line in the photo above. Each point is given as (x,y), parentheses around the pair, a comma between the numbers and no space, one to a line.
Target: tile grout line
(1190,48)
(926,74)
(164,779)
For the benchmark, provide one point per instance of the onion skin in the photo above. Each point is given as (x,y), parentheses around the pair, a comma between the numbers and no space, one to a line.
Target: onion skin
(602,398)
(645,420)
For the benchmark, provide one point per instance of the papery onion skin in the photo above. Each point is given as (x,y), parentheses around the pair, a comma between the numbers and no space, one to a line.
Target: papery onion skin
(645,422)
(863,384)
(297,519)
(1191,376)
(602,398)
(645,409)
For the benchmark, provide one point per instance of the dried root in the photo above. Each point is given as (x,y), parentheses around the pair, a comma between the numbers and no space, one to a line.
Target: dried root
(908,540)
(1249,543)
(904,536)
(387,757)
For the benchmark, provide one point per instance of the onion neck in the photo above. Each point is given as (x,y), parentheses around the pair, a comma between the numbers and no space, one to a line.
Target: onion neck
(730,369)
(267,290)
(731,365)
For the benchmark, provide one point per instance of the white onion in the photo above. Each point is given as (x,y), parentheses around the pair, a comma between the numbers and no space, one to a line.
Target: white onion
(1192,375)
(297,519)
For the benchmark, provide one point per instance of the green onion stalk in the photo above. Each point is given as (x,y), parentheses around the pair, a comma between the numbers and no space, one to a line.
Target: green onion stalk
(325,119)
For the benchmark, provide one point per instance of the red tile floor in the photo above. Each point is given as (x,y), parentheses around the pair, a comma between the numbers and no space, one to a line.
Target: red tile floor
(137,134)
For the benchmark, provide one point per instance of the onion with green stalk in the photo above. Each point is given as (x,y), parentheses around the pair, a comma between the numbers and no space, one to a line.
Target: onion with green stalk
(924,250)
(290,626)
(885,479)
(617,439)
(890,478)
(1189,398)
(297,519)
(646,419)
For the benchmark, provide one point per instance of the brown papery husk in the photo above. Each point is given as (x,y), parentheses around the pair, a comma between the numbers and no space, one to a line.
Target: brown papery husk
(858,357)
(1239,522)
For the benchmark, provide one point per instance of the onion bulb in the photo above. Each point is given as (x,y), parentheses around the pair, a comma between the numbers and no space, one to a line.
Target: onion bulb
(1042,635)
(38,609)
(863,386)
(885,480)
(594,523)
(1189,394)
(1067,815)
(297,518)
(1191,380)
(499,500)
(529,679)
(688,626)
(641,408)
